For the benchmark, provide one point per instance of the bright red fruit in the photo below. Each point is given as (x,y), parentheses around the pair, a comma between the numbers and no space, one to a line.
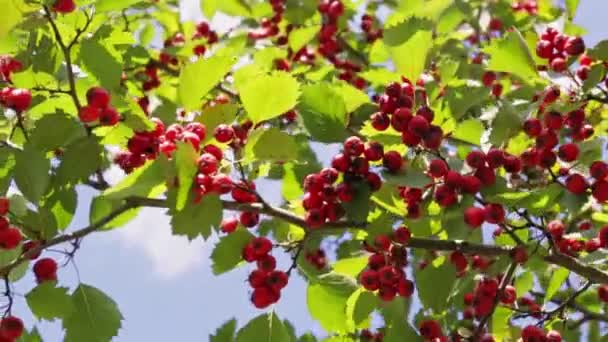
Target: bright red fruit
(575,46)
(402,235)
(438,168)
(223,133)
(532,333)
(10,238)
(45,270)
(11,327)
(598,170)
(576,183)
(64,6)
(393,161)
(19,99)
(229,225)
(600,191)
(369,280)
(207,163)
(554,336)
(430,329)
(494,213)
(98,97)
(568,152)
(474,216)
(4,206)
(89,114)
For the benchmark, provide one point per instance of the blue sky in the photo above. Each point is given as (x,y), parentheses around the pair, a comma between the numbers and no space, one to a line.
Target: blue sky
(163,284)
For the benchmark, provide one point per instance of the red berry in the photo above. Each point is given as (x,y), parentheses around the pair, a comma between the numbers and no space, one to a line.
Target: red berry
(382,242)
(494,213)
(598,170)
(602,293)
(602,236)
(556,228)
(223,133)
(11,327)
(64,6)
(553,336)
(430,329)
(458,260)
(4,205)
(109,116)
(387,292)
(488,78)
(369,280)
(576,183)
(438,168)
(373,151)
(10,238)
(380,121)
(600,191)
(405,288)
(98,97)
(474,216)
(470,184)
(249,219)
(45,270)
(207,164)
(519,255)
(257,278)
(229,225)
(29,245)
(592,245)
(559,64)
(277,280)
(402,235)
(267,263)
(532,127)
(353,146)
(574,46)
(262,297)
(476,159)
(393,161)
(532,333)
(568,152)
(418,125)
(544,49)
(315,218)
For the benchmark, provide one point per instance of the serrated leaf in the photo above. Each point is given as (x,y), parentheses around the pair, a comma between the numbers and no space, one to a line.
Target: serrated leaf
(49,302)
(144,181)
(268,96)
(95,317)
(99,62)
(32,173)
(198,78)
(299,37)
(327,305)
(359,306)
(227,253)
(266,327)
(271,144)
(599,51)
(11,14)
(469,131)
(7,164)
(186,166)
(80,160)
(55,130)
(558,277)
(459,99)
(434,285)
(571,6)
(62,204)
(358,208)
(8,256)
(197,219)
(353,98)
(225,333)
(505,125)
(411,177)
(409,43)
(510,54)
(114,5)
(350,266)
(324,112)
(213,116)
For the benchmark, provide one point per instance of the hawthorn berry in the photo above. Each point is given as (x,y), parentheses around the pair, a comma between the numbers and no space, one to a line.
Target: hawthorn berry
(11,327)
(98,97)
(249,219)
(64,6)
(229,225)
(402,235)
(4,205)
(45,270)
(223,133)
(474,216)
(576,183)
(393,161)
(10,238)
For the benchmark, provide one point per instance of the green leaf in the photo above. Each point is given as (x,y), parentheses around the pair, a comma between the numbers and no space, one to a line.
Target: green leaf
(32,173)
(380,76)
(524,283)
(7,164)
(32,336)
(353,98)
(102,207)
(395,316)
(327,305)
(266,327)
(198,78)
(510,54)
(225,333)
(542,199)
(358,208)
(197,219)
(144,181)
(12,12)
(459,99)
(324,112)
(227,254)
(558,277)
(55,130)
(571,6)
(299,37)
(350,266)
(8,256)
(80,160)
(469,131)
(271,144)
(500,323)
(409,43)
(599,51)
(62,204)
(359,306)
(506,125)
(98,60)
(114,5)
(410,177)
(95,317)
(434,285)
(186,166)
(49,302)
(268,96)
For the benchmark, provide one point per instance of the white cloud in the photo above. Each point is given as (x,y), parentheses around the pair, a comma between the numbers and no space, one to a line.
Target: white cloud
(171,256)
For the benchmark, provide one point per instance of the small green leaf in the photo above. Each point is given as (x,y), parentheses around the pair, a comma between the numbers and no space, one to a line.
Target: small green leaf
(469,131)
(49,302)
(327,305)
(55,130)
(524,283)
(323,111)
(198,78)
(114,5)
(62,204)
(411,177)
(299,37)
(271,144)
(358,208)
(268,96)
(95,316)
(227,254)
(558,277)
(500,322)
(102,206)
(353,98)
(434,285)
(599,51)
(506,125)
(510,54)
(225,333)
(32,173)
(359,306)
(98,60)
(144,181)
(571,6)
(266,327)
(409,43)
(80,160)
(198,218)
(7,164)
(459,99)
(185,164)
(350,266)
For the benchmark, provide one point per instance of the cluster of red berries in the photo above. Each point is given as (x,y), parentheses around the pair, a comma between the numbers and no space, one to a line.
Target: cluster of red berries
(99,108)
(489,79)
(369,336)
(329,45)
(460,262)
(203,31)
(557,47)
(317,258)
(11,328)
(266,281)
(322,199)
(270,27)
(10,236)
(430,330)
(9,65)
(530,6)
(384,271)
(367,25)
(533,333)
(531,306)
(572,245)
(45,269)
(16,99)
(64,6)
(165,56)
(480,302)
(599,172)
(396,110)
(491,213)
